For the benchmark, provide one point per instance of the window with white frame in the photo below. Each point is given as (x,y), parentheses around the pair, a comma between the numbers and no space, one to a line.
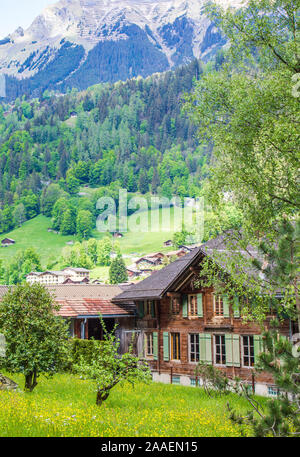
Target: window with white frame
(149,307)
(175,306)
(194,347)
(192,304)
(248,351)
(149,344)
(218,305)
(273,391)
(220,350)
(175,346)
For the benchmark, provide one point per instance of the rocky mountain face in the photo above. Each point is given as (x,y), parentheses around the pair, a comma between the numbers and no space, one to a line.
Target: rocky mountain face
(77,43)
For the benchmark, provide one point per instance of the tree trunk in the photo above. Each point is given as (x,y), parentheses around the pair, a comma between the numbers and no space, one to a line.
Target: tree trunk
(298,307)
(102,395)
(30,381)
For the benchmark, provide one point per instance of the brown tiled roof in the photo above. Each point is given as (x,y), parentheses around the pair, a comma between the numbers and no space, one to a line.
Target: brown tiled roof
(77,291)
(92,307)
(87,299)
(90,300)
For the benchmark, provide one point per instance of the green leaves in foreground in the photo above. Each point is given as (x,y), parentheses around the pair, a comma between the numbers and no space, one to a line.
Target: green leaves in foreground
(108,368)
(36,339)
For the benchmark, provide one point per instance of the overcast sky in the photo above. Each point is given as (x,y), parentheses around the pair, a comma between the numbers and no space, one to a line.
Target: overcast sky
(15,13)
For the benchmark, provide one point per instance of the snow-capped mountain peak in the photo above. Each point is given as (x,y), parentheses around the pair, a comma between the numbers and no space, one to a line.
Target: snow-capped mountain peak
(154,35)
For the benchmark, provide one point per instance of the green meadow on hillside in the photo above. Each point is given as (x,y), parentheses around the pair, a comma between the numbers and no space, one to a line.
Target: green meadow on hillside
(151,232)
(34,233)
(65,407)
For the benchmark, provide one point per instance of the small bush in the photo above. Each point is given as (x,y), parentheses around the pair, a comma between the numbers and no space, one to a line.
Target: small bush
(84,349)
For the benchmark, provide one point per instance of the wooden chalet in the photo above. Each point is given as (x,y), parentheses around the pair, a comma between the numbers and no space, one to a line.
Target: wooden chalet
(118,235)
(7,242)
(188,248)
(152,260)
(133,272)
(182,324)
(178,253)
(76,281)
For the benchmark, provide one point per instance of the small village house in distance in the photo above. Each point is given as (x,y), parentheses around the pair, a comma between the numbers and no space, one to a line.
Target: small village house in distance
(69,275)
(7,242)
(182,324)
(150,260)
(118,235)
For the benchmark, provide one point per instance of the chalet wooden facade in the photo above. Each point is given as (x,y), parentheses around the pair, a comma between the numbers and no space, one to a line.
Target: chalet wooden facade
(182,325)
(173,323)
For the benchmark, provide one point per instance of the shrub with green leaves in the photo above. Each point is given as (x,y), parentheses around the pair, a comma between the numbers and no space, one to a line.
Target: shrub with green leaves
(84,349)
(214,380)
(36,338)
(108,368)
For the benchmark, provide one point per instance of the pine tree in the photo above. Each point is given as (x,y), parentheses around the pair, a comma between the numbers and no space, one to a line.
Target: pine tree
(280,416)
(117,272)
(281,262)
(68,224)
(155,181)
(143,182)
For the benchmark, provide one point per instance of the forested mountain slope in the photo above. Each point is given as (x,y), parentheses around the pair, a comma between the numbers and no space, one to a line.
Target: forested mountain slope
(131,135)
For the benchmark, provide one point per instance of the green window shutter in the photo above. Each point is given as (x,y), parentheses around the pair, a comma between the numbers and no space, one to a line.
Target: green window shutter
(166,347)
(153,308)
(205,348)
(258,346)
(185,305)
(200,305)
(236,350)
(225,305)
(140,308)
(208,348)
(236,307)
(155,345)
(228,349)
(202,347)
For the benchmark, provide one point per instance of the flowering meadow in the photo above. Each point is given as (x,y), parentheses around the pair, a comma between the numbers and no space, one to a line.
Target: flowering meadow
(65,407)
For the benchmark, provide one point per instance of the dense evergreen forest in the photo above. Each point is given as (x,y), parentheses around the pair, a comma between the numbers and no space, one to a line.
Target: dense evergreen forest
(130,135)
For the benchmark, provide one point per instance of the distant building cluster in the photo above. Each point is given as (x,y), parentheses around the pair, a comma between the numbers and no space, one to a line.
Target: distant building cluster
(67,276)
(146,265)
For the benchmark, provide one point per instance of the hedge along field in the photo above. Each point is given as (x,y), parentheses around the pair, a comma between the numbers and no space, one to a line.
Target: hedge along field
(65,407)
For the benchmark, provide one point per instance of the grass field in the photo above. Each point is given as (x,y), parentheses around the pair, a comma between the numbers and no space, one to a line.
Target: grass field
(152,229)
(65,406)
(34,233)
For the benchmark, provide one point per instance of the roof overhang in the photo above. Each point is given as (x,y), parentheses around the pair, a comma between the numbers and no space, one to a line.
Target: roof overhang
(182,276)
(104,316)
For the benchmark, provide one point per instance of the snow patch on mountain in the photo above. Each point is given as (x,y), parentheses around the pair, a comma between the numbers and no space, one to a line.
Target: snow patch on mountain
(177,28)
